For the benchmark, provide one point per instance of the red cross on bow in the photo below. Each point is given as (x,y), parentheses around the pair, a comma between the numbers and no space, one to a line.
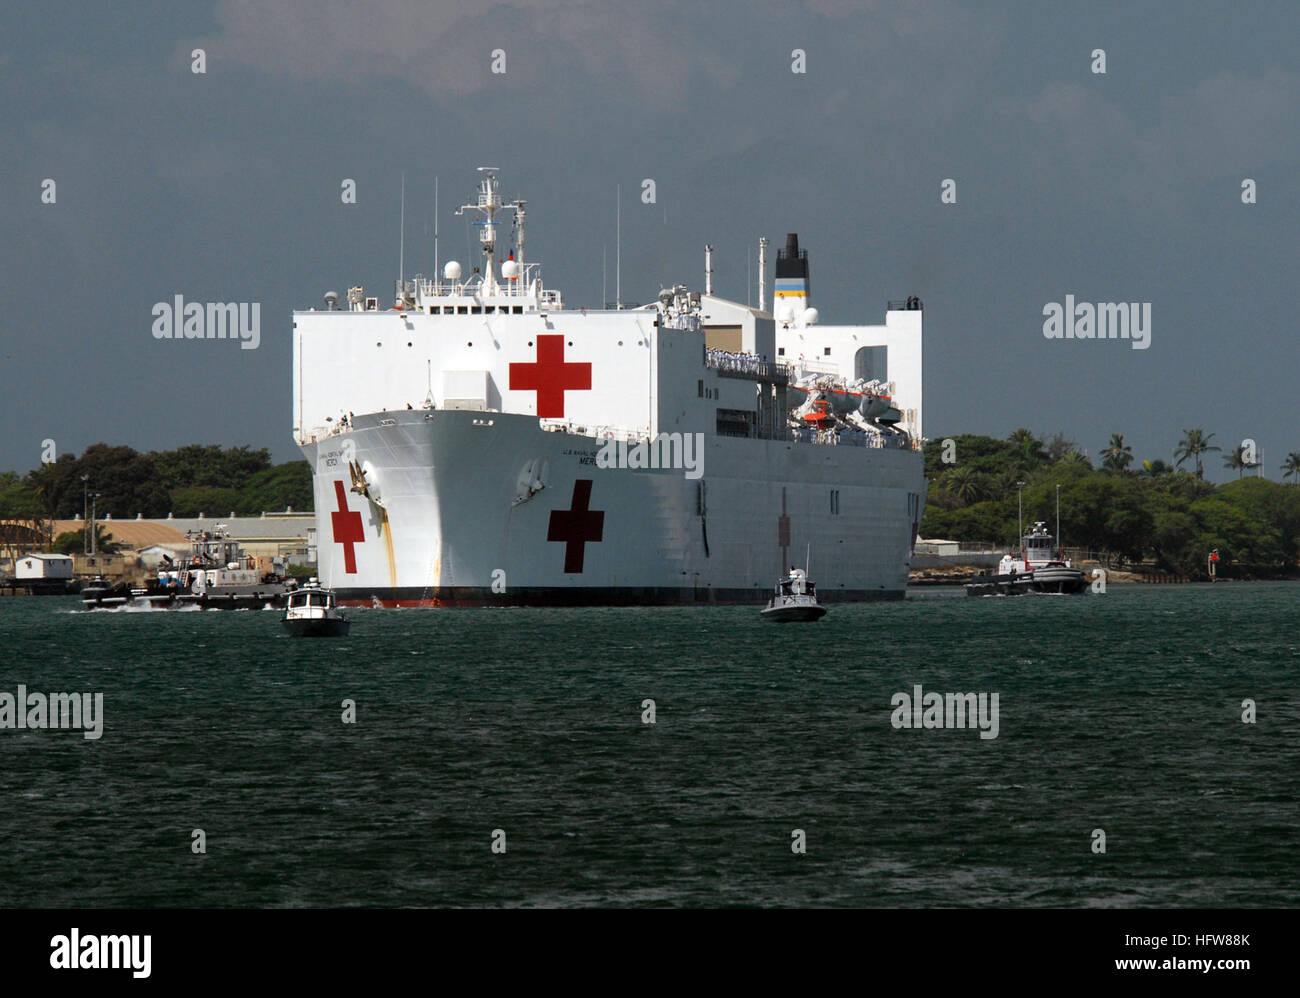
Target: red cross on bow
(550,376)
(577,526)
(347,529)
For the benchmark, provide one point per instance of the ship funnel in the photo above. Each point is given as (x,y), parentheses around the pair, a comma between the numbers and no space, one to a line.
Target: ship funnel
(790,296)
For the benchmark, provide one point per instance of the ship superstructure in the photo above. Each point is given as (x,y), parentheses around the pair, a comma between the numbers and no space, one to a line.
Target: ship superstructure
(480,443)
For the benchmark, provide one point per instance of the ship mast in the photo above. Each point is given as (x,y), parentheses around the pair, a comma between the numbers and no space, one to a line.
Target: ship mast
(489,203)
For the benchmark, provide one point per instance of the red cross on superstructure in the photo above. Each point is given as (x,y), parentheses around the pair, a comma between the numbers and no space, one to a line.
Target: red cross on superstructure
(577,526)
(550,376)
(347,529)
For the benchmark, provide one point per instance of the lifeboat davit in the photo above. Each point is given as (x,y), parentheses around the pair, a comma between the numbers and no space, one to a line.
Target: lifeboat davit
(820,416)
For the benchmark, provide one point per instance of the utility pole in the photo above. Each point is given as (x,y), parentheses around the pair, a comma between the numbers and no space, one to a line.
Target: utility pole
(1059,542)
(1020,515)
(85,509)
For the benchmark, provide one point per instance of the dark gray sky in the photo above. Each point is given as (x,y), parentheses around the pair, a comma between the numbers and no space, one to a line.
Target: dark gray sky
(225,187)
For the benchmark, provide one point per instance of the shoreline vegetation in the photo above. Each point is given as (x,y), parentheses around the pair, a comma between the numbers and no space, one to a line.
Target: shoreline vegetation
(1154,518)
(183,482)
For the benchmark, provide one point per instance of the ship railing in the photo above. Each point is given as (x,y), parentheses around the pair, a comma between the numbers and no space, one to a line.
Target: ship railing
(474,287)
(802,367)
(637,434)
(730,364)
(851,438)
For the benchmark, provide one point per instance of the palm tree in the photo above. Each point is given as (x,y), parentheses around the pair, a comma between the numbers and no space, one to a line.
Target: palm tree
(1117,456)
(1236,459)
(964,485)
(1292,466)
(1028,444)
(1193,445)
(1077,457)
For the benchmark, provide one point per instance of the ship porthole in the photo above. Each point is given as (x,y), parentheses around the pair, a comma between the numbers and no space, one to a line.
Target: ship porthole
(470,344)
(378,344)
(408,343)
(620,342)
(570,342)
(530,342)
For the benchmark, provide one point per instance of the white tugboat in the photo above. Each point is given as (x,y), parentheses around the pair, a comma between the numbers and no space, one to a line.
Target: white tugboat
(313,613)
(795,599)
(1039,569)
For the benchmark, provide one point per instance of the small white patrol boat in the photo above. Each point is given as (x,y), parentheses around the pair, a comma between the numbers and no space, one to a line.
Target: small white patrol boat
(313,613)
(795,599)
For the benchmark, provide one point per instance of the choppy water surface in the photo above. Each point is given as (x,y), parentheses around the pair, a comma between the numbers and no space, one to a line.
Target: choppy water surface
(1120,712)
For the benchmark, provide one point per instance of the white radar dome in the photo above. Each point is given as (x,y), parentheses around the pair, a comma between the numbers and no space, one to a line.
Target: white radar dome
(809,316)
(451,271)
(785,312)
(510,270)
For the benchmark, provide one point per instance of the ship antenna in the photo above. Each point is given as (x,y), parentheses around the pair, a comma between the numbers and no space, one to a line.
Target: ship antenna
(401,253)
(618,247)
(435,229)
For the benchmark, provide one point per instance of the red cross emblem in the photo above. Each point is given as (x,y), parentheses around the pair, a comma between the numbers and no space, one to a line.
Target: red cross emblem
(577,526)
(550,376)
(347,529)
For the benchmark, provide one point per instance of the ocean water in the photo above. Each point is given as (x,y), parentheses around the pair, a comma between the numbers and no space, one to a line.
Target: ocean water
(1120,712)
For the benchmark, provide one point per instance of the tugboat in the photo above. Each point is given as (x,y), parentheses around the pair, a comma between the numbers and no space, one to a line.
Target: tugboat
(795,599)
(313,613)
(218,575)
(1036,571)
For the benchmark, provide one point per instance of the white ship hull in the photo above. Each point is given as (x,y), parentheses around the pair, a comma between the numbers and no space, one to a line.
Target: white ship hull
(449,527)
(456,439)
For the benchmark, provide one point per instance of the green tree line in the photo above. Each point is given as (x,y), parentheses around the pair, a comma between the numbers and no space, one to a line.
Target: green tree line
(1159,513)
(185,482)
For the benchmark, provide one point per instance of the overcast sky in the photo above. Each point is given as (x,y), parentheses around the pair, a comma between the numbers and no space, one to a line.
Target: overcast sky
(225,186)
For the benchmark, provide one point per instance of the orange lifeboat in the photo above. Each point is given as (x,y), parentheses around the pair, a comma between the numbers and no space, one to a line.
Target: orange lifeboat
(820,416)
